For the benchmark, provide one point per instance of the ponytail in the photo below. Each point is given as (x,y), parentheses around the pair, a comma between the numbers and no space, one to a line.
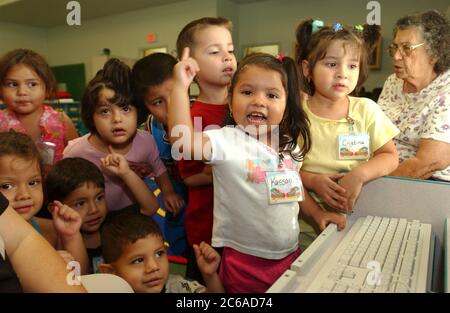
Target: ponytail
(303,49)
(303,35)
(371,36)
(294,122)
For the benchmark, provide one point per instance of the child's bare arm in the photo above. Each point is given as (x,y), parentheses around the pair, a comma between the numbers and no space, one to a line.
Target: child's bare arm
(384,161)
(71,131)
(173,202)
(181,130)
(200,179)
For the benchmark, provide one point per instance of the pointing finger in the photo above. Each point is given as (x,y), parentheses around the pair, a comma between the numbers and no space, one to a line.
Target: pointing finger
(111,150)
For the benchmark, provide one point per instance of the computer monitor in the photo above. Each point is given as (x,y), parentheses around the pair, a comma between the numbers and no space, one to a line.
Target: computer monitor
(447,256)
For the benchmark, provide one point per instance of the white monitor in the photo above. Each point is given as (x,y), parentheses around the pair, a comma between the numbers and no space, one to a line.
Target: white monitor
(447,256)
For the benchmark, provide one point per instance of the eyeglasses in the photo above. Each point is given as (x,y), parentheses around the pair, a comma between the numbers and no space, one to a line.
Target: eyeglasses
(404,48)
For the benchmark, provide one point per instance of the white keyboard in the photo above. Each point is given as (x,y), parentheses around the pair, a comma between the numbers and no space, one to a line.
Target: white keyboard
(378,254)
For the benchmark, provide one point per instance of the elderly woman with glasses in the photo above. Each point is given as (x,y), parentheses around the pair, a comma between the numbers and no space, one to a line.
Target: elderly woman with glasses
(417,97)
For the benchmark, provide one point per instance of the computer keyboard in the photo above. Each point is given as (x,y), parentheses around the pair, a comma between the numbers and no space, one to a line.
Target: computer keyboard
(378,254)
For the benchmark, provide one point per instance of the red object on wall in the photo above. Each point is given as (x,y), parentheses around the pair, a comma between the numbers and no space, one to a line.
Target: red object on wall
(151,38)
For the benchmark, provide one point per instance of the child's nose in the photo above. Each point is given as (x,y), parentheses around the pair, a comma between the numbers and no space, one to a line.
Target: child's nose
(259,99)
(21,90)
(228,56)
(92,208)
(151,265)
(23,193)
(117,116)
(342,72)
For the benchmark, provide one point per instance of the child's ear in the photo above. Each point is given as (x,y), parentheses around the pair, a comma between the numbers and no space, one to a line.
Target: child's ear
(106,268)
(305,68)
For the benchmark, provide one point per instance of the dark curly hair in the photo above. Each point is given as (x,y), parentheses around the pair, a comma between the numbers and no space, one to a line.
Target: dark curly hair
(116,76)
(435,29)
(69,174)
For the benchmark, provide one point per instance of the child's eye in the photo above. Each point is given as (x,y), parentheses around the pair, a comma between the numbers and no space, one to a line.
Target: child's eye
(331,64)
(32,84)
(11,84)
(127,108)
(34,182)
(160,253)
(104,111)
(272,96)
(214,52)
(100,197)
(231,51)
(137,261)
(157,103)
(353,66)
(6,186)
(246,92)
(79,204)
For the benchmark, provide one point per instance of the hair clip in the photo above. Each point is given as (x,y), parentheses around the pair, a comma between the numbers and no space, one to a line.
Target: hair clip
(280,57)
(316,25)
(337,27)
(359,28)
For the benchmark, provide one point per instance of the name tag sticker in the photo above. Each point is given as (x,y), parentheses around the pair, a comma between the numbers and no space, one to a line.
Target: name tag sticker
(353,146)
(284,186)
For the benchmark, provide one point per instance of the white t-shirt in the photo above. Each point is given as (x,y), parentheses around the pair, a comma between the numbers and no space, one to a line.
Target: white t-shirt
(243,218)
(424,114)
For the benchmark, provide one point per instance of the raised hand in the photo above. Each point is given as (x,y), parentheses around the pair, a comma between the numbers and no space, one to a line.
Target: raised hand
(67,221)
(185,70)
(208,259)
(115,163)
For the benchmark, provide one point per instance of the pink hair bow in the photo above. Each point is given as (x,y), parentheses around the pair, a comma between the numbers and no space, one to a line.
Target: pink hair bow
(280,56)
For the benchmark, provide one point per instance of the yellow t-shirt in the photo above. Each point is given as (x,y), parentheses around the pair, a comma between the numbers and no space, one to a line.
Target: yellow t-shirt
(368,118)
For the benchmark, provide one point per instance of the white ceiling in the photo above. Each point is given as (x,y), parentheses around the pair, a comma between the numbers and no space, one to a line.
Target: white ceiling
(50,13)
